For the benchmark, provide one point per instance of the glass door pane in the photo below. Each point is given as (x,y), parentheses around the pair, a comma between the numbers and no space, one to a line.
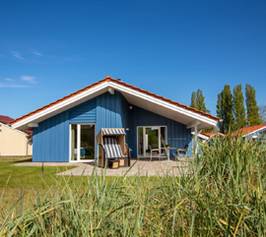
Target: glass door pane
(87,142)
(74,145)
(152,141)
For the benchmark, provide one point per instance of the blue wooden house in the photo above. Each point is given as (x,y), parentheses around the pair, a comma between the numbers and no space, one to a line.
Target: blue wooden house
(66,130)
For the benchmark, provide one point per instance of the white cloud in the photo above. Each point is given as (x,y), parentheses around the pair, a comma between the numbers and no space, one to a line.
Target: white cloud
(28,79)
(37,53)
(24,81)
(17,55)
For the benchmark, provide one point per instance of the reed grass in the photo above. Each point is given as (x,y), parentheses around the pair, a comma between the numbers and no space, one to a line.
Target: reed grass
(223,195)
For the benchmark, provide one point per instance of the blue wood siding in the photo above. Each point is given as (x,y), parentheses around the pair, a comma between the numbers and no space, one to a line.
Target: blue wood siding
(111,111)
(51,138)
(84,113)
(178,134)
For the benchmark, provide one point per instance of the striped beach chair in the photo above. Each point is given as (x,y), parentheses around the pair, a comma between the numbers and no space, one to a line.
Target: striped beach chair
(112,149)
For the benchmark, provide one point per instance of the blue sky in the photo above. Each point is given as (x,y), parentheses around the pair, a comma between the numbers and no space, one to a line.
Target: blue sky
(51,48)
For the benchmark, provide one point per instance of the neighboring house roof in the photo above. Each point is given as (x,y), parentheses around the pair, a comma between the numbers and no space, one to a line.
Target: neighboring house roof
(132,93)
(208,135)
(246,131)
(6,119)
(212,134)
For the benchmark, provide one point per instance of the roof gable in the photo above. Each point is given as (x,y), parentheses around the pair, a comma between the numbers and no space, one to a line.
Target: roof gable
(102,86)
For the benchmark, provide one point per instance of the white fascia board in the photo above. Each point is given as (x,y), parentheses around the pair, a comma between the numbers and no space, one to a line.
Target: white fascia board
(201,136)
(165,104)
(118,87)
(60,105)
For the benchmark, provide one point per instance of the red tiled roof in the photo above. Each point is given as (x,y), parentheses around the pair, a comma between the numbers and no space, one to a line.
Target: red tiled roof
(212,134)
(110,79)
(5,119)
(247,130)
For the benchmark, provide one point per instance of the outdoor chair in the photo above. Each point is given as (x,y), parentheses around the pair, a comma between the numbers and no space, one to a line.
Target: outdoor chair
(181,153)
(163,148)
(113,150)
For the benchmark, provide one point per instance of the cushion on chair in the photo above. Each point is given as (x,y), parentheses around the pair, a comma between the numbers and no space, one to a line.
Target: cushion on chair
(112,148)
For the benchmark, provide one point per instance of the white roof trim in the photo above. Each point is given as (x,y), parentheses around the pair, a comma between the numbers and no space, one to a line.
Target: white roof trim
(200,135)
(119,87)
(165,104)
(60,105)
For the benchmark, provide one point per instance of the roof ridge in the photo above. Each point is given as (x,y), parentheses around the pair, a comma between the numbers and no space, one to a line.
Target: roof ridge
(111,79)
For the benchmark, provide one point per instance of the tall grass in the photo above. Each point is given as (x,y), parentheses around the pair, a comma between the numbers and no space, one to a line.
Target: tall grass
(223,195)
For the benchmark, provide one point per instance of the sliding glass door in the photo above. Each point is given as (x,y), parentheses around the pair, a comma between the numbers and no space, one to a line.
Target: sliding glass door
(82,139)
(151,139)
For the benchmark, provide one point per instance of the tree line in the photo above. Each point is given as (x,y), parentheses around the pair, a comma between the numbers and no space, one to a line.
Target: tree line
(235,110)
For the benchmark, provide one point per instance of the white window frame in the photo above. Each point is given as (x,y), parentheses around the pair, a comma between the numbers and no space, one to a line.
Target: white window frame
(78,142)
(159,136)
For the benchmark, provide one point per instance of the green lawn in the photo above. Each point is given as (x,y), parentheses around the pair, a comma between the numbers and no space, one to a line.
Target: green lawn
(12,176)
(24,184)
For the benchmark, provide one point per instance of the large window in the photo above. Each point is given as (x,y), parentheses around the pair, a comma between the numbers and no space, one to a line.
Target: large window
(82,142)
(151,138)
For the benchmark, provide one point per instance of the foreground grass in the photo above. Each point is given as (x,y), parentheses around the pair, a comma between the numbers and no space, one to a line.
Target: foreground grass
(223,196)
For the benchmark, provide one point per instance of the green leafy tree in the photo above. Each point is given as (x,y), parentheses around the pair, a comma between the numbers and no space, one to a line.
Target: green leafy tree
(198,101)
(253,116)
(239,108)
(225,109)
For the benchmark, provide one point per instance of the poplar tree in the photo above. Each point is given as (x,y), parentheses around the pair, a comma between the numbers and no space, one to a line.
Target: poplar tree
(253,116)
(193,100)
(239,108)
(225,109)
(219,110)
(198,101)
